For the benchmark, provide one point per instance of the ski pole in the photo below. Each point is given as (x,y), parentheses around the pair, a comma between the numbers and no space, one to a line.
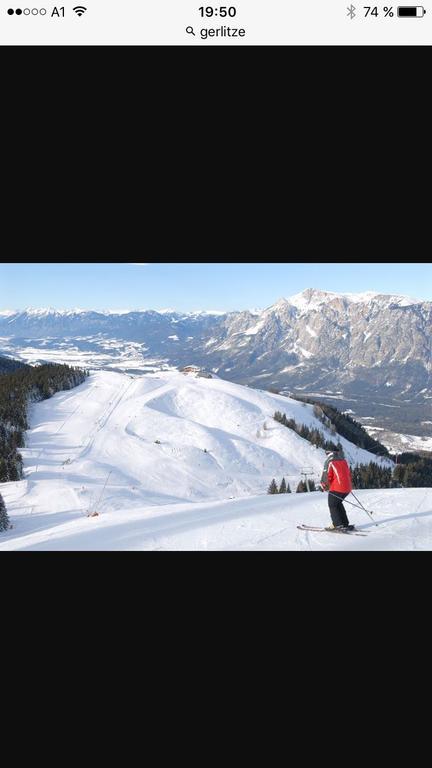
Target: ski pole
(345,501)
(369,511)
(364,508)
(359,502)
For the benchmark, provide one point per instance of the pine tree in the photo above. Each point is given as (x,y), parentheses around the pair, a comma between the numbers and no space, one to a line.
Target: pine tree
(14,473)
(4,519)
(283,488)
(273,489)
(289,488)
(4,476)
(302,487)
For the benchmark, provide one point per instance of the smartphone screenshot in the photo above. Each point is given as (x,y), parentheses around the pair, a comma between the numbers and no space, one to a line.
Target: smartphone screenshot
(199,24)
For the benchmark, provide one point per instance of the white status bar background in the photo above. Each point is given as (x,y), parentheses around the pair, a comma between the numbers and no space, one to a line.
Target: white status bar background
(164,22)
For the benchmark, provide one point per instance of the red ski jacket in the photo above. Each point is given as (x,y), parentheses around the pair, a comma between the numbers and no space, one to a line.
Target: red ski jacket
(339,477)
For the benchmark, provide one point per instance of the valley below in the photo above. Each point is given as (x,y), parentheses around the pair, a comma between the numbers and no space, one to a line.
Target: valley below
(368,354)
(399,422)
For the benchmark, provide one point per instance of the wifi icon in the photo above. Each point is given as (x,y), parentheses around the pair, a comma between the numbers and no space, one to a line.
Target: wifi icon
(80,10)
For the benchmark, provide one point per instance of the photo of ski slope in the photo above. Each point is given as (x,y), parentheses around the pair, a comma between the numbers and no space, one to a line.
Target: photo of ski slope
(173,461)
(215,406)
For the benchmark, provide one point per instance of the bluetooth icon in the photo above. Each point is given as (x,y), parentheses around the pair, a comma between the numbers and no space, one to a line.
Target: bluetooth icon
(352,12)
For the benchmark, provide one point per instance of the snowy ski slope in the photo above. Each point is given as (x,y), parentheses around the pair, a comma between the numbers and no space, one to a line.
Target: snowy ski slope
(174,462)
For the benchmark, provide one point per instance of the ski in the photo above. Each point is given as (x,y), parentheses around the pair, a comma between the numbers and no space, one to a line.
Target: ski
(312,529)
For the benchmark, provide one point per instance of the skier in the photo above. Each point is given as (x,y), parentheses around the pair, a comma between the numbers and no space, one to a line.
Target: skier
(337,481)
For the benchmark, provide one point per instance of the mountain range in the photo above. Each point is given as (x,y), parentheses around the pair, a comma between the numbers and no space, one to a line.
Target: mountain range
(372,352)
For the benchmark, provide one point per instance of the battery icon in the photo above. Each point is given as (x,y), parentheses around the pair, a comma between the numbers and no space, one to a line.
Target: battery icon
(411,12)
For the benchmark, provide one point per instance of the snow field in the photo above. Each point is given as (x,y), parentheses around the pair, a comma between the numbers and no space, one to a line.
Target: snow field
(186,463)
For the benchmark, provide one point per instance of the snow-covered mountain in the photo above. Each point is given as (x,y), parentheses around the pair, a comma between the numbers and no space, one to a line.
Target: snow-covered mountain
(356,348)
(36,323)
(146,452)
(322,341)
(316,339)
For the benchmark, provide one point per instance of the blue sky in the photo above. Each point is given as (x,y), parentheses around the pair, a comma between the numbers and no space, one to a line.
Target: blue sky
(189,287)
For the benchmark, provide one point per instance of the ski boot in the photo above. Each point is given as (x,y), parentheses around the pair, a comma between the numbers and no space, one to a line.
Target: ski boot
(341,528)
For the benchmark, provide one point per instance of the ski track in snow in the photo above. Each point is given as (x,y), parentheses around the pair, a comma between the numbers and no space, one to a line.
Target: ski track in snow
(172,495)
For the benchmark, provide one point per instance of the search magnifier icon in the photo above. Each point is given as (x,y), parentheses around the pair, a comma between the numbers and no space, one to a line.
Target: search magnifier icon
(190,31)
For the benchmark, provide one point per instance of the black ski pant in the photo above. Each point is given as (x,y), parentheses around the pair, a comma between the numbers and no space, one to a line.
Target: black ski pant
(337,509)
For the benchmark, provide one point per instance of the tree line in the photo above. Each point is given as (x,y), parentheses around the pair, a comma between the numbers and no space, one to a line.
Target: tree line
(17,390)
(313,435)
(284,487)
(7,365)
(415,472)
(275,488)
(371,476)
(346,426)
